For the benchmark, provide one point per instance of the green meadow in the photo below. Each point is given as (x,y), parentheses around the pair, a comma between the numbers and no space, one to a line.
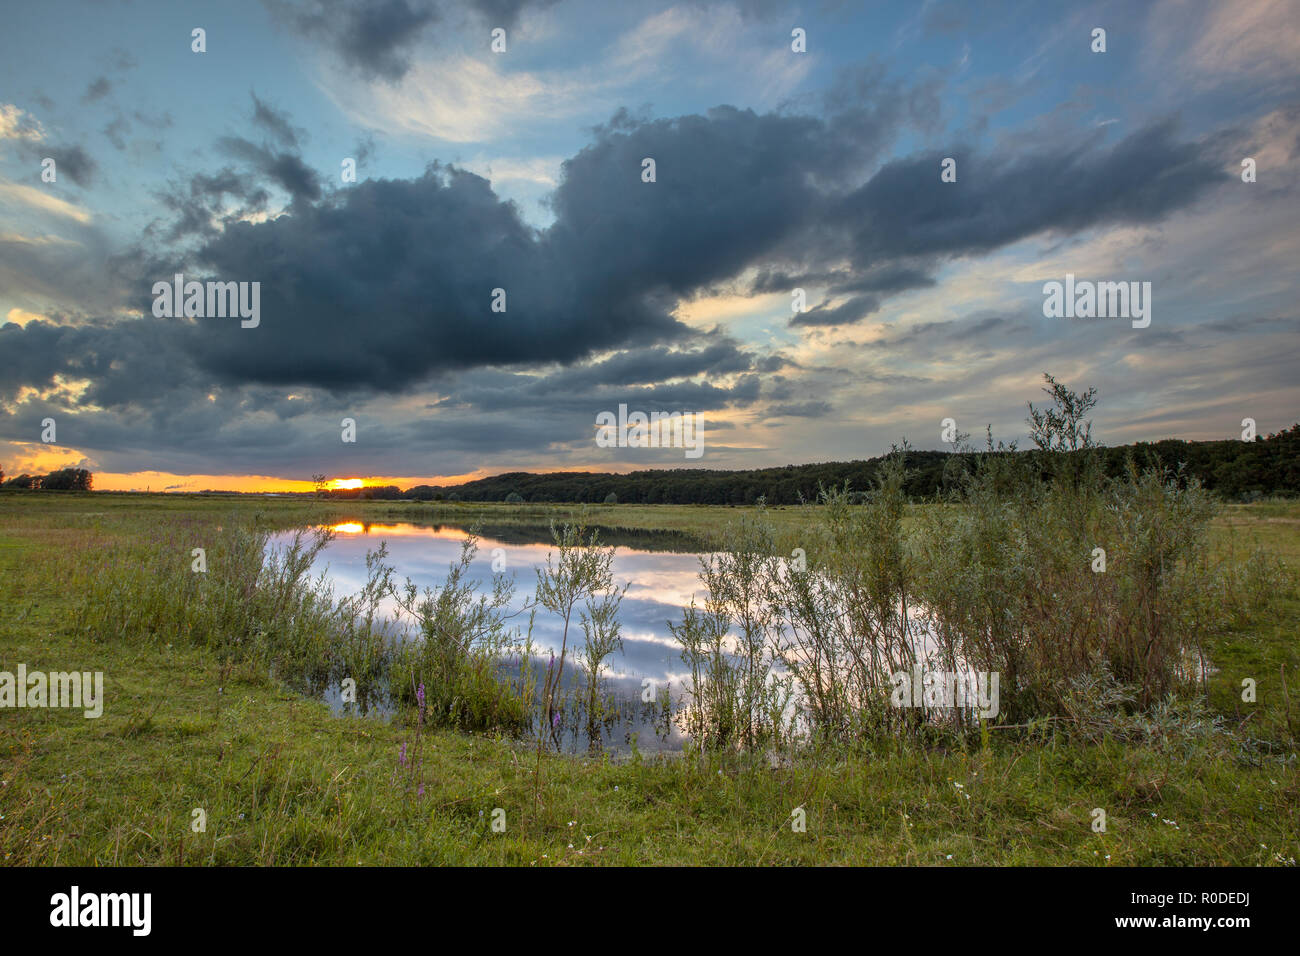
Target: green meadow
(192,725)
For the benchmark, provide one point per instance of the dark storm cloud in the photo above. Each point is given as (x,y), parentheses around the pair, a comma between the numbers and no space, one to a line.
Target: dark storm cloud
(388,281)
(376,32)
(387,285)
(474,434)
(285,169)
(883,278)
(999,199)
(72,160)
(31,355)
(867,107)
(184,426)
(659,364)
(559,394)
(363,151)
(904,215)
(730,187)
(505,13)
(153,363)
(373,36)
(854,310)
(276,122)
(382,284)
(774,363)
(75,163)
(394,280)
(199,204)
(889,278)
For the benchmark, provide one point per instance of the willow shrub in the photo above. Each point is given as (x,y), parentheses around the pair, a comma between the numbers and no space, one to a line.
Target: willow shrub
(454,646)
(1035,566)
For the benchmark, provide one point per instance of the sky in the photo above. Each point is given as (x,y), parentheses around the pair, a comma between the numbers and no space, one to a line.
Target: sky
(799,153)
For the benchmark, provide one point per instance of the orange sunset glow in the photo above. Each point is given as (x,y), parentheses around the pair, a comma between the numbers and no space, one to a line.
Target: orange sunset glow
(17,458)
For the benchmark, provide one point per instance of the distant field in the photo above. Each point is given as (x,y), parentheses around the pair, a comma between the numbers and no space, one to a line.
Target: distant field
(283,782)
(1273,524)
(694,519)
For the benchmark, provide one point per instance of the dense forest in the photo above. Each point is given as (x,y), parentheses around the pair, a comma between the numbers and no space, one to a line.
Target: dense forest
(1236,470)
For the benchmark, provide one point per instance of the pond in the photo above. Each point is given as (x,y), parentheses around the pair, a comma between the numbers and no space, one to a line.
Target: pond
(660,569)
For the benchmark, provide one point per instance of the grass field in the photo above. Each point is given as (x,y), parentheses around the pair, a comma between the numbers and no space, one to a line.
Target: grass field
(281,781)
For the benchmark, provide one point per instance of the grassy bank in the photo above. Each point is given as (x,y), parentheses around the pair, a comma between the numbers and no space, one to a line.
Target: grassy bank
(283,782)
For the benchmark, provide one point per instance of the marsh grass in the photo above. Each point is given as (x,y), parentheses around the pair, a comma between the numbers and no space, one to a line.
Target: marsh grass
(577,578)
(253,604)
(261,606)
(1037,567)
(285,783)
(455,647)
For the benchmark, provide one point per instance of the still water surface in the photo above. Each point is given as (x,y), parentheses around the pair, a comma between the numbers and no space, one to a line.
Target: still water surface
(661,572)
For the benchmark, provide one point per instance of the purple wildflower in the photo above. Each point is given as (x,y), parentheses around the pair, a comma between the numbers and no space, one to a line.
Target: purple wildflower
(555,721)
(401,756)
(419,694)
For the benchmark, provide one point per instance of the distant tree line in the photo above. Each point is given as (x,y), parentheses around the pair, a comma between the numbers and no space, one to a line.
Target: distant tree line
(1236,470)
(65,479)
(367,493)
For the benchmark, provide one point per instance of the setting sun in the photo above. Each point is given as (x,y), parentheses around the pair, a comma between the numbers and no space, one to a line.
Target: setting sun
(340,483)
